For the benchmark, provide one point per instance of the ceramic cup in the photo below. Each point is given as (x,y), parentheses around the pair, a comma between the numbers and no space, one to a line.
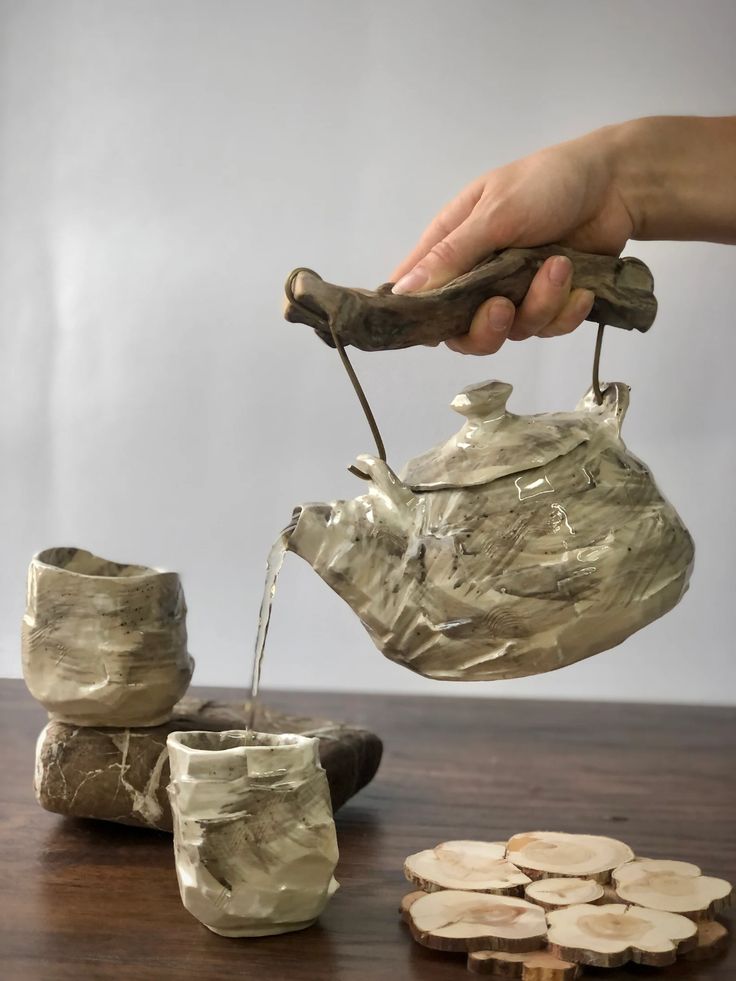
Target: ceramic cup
(104,644)
(254,837)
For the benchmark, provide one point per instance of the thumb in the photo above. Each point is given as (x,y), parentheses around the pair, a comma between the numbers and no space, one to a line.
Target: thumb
(452,256)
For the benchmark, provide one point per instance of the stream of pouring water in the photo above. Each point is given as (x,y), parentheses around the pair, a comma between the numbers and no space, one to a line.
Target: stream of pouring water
(273,567)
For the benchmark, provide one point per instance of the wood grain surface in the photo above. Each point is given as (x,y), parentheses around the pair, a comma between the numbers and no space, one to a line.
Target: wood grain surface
(381,320)
(88,900)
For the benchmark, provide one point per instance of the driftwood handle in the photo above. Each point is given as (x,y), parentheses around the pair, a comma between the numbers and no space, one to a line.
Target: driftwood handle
(381,320)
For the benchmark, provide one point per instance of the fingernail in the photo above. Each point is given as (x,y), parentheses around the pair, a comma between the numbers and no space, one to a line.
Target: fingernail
(413,280)
(559,270)
(586,301)
(500,316)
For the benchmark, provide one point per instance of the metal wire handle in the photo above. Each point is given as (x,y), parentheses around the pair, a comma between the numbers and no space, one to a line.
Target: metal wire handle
(597,365)
(364,404)
(358,388)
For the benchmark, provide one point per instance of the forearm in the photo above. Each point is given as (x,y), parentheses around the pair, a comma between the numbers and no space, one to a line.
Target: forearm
(676,176)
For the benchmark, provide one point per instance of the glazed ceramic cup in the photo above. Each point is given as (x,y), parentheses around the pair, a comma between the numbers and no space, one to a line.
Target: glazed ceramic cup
(104,644)
(254,837)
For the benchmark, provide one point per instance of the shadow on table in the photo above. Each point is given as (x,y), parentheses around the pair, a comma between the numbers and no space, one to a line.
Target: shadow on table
(107,900)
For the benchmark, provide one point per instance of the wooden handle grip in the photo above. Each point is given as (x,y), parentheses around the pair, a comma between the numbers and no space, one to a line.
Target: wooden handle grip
(381,321)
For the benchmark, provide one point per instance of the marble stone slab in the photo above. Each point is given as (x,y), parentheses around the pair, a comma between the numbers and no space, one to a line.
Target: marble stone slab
(121,774)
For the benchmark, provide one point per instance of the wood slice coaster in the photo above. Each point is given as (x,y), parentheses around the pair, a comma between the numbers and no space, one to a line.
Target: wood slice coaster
(538,965)
(667,912)
(554,893)
(463,921)
(121,774)
(543,854)
(612,935)
(475,866)
(407,902)
(675,887)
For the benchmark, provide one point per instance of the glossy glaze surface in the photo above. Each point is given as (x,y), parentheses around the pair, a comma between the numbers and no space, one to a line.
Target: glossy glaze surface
(254,837)
(522,544)
(104,643)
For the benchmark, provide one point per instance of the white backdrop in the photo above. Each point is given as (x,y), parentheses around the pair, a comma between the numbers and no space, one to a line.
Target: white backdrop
(165,163)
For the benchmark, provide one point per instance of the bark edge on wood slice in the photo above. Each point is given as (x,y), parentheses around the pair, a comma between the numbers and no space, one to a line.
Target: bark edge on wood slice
(612,935)
(675,887)
(555,893)
(121,775)
(457,920)
(551,854)
(712,940)
(537,965)
(472,866)
(609,894)
(407,902)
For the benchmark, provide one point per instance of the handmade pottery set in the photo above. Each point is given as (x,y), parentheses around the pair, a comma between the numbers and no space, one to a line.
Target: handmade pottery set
(105,645)
(520,545)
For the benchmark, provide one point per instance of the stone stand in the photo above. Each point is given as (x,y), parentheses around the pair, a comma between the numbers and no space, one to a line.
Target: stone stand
(122,774)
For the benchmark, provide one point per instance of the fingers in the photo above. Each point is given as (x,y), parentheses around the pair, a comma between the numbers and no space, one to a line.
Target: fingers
(441,226)
(489,329)
(545,298)
(572,314)
(549,309)
(452,255)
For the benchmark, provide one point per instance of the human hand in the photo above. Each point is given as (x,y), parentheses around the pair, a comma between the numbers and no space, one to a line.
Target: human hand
(566,193)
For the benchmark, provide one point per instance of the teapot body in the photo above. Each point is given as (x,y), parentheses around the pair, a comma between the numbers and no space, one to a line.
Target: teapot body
(521,545)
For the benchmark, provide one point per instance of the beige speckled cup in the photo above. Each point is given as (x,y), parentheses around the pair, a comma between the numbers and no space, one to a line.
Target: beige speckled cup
(254,837)
(104,643)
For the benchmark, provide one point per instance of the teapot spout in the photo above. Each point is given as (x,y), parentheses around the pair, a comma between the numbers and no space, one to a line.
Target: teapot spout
(305,533)
(359,548)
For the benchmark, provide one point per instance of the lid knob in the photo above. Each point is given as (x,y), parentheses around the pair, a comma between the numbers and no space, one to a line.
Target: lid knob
(484,401)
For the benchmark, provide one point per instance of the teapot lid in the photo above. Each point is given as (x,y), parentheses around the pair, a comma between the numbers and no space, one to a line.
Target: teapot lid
(494,443)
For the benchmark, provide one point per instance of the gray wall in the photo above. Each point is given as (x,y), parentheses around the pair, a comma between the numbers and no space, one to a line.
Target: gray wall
(165,164)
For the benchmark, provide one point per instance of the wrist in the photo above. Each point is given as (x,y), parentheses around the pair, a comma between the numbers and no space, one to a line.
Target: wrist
(632,171)
(674,175)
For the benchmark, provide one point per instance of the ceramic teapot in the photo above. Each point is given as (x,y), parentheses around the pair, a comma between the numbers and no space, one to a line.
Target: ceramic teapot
(522,544)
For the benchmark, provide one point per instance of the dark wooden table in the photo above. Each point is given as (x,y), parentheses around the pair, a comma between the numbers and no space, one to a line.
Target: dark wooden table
(87,900)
